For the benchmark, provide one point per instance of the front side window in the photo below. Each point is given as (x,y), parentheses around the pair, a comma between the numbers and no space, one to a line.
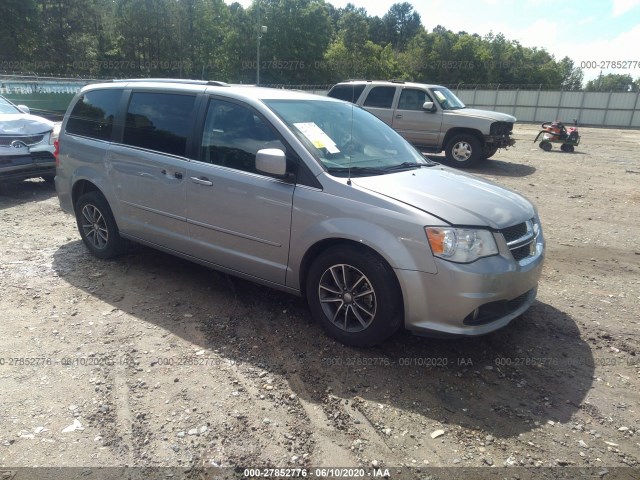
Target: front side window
(94,114)
(412,99)
(380,97)
(233,134)
(159,121)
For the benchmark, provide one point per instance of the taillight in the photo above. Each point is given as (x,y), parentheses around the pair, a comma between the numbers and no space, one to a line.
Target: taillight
(56,151)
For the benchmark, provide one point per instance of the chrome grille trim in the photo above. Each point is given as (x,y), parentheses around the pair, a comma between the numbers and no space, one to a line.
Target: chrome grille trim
(521,239)
(6,140)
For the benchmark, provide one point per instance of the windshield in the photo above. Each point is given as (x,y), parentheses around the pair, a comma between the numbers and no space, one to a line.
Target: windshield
(6,107)
(346,139)
(446,99)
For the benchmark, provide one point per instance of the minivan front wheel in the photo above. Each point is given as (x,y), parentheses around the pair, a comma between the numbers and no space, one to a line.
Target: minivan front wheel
(463,151)
(97,226)
(354,296)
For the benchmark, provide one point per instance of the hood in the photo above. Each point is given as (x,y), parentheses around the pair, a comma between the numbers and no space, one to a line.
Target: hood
(458,198)
(23,124)
(477,113)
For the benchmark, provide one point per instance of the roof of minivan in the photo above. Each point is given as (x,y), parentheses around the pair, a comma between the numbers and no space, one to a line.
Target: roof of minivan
(390,83)
(239,91)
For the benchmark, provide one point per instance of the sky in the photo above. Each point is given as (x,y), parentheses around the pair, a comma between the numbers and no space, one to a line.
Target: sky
(593,31)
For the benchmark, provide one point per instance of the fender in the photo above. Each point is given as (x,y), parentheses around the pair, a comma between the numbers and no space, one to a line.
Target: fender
(407,249)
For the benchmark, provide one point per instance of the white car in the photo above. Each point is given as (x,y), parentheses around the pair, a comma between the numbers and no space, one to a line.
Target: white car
(27,147)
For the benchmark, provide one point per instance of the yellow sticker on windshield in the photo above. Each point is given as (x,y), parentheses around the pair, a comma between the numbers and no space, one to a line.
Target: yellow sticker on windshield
(317,136)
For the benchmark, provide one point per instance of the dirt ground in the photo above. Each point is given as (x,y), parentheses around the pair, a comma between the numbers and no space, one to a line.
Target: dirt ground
(151,361)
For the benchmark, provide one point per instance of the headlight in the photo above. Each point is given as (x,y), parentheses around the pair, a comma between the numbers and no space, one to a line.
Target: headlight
(462,245)
(55,133)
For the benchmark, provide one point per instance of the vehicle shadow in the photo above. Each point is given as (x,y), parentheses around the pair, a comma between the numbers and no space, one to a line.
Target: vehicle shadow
(17,193)
(536,370)
(498,168)
(560,152)
(494,167)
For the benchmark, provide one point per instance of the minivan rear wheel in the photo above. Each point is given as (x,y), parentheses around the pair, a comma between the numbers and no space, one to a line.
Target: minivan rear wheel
(97,226)
(463,151)
(354,296)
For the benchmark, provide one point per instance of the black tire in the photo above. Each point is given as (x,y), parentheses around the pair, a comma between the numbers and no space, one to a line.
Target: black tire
(97,226)
(354,295)
(463,151)
(546,146)
(566,148)
(489,152)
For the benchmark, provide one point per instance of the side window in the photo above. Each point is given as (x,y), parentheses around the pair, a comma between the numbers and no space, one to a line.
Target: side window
(233,134)
(411,99)
(94,114)
(348,93)
(159,121)
(380,97)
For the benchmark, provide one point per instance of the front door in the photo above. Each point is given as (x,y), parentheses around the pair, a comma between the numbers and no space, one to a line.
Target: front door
(418,126)
(237,217)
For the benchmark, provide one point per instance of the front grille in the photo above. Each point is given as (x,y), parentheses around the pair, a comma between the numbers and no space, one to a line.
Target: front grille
(521,239)
(501,128)
(514,233)
(521,252)
(42,156)
(5,140)
(495,310)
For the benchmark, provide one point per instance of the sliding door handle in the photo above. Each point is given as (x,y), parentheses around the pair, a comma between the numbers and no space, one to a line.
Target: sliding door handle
(202,181)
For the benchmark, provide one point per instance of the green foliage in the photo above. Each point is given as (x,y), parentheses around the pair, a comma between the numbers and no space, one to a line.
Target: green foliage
(307,42)
(613,82)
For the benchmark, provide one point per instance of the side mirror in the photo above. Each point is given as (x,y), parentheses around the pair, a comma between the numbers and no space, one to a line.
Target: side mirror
(428,106)
(24,109)
(271,161)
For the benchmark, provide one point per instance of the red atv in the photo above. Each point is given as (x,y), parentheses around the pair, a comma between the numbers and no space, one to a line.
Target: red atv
(556,132)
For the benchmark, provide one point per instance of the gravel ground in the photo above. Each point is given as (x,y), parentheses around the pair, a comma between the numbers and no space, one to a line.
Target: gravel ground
(151,361)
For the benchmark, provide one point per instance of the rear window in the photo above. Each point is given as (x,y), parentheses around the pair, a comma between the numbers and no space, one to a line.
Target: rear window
(348,93)
(94,114)
(159,121)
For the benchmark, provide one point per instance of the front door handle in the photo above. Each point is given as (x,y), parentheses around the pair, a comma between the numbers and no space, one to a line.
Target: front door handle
(399,115)
(178,175)
(202,181)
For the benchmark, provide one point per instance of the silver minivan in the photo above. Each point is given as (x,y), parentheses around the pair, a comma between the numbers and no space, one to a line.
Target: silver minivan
(306,194)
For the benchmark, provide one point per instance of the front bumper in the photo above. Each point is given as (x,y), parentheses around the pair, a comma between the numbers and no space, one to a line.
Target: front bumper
(470,299)
(499,141)
(36,163)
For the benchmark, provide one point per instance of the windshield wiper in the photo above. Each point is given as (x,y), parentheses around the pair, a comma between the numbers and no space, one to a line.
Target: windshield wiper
(408,166)
(358,170)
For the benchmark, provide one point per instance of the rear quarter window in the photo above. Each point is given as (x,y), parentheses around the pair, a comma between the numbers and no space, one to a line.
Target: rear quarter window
(348,93)
(380,97)
(159,121)
(94,114)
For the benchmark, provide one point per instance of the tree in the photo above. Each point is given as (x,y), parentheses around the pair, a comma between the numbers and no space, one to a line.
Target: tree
(572,77)
(299,32)
(402,24)
(19,29)
(615,82)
